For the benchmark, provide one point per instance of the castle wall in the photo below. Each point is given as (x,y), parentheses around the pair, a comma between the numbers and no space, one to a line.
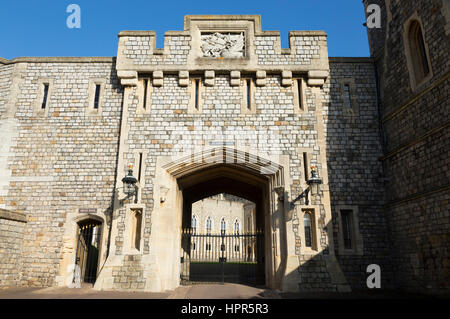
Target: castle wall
(355,171)
(5,85)
(12,228)
(63,159)
(415,121)
(59,161)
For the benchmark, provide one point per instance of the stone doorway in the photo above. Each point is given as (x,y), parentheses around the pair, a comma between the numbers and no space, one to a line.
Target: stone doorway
(181,182)
(222,242)
(230,267)
(88,249)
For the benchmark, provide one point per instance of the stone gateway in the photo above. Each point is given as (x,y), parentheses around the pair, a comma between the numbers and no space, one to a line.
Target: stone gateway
(290,135)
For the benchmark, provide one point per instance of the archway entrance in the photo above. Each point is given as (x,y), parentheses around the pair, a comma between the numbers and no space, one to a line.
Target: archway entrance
(210,253)
(88,248)
(222,242)
(214,171)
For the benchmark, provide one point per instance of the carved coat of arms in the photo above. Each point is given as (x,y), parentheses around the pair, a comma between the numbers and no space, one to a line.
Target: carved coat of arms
(222,45)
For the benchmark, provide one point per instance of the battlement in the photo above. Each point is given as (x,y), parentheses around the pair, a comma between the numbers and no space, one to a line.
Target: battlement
(222,43)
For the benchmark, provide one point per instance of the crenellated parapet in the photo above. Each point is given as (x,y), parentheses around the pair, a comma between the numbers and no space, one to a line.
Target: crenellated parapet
(223,44)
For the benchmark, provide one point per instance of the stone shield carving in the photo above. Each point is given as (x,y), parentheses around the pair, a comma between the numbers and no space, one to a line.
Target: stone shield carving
(230,45)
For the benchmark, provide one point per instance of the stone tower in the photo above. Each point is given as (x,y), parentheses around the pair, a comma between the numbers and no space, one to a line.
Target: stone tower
(411,56)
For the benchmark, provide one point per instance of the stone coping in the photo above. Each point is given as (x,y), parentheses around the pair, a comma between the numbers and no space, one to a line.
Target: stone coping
(12,215)
(143,33)
(351,60)
(313,33)
(59,60)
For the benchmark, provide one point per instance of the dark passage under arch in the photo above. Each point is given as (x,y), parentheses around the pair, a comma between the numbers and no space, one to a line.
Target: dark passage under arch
(220,256)
(88,249)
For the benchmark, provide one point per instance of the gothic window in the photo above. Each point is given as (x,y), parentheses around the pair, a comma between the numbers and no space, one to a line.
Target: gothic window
(223,225)
(308,229)
(348,101)
(137,226)
(236,226)
(347,226)
(208,225)
(417,52)
(194,223)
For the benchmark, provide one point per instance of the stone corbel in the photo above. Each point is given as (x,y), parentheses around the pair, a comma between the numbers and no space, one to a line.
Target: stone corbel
(209,78)
(317,77)
(235,78)
(158,78)
(183,78)
(128,78)
(286,78)
(260,78)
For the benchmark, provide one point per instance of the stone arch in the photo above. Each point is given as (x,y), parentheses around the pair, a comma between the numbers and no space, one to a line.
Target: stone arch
(211,172)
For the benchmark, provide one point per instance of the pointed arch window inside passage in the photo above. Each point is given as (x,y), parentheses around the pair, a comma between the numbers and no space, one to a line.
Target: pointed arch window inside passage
(236,226)
(223,225)
(208,225)
(418,52)
(308,234)
(194,223)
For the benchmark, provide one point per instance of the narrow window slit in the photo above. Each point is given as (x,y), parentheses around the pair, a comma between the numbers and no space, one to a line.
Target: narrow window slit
(300,95)
(145,93)
(347,228)
(249,93)
(140,167)
(348,102)
(305,165)
(308,225)
(137,229)
(44,99)
(197,84)
(97,96)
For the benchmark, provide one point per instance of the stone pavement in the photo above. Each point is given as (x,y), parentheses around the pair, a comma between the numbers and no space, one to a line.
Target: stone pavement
(210,291)
(200,291)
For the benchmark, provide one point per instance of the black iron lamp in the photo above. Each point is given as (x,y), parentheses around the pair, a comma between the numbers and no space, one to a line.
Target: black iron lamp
(314,182)
(313,187)
(129,183)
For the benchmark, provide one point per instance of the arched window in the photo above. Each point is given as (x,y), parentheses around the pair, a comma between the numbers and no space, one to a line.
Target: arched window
(308,229)
(418,52)
(223,225)
(236,226)
(208,225)
(194,223)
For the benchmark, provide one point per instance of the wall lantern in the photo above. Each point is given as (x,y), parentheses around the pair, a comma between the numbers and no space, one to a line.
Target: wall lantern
(313,187)
(314,182)
(129,183)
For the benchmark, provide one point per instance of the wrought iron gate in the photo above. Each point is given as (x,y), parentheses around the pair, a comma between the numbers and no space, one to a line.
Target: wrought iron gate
(222,257)
(88,246)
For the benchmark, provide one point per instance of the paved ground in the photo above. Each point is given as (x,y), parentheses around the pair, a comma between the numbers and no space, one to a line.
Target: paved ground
(212,291)
(201,291)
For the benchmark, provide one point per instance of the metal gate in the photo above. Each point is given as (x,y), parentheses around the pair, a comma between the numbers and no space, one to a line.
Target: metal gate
(222,257)
(88,250)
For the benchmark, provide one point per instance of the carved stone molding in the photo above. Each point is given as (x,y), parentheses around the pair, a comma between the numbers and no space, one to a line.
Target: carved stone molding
(226,45)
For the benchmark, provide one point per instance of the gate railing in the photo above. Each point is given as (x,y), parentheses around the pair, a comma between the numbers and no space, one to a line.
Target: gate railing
(221,256)
(88,251)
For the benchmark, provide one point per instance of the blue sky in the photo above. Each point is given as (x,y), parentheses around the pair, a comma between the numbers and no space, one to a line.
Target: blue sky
(38,28)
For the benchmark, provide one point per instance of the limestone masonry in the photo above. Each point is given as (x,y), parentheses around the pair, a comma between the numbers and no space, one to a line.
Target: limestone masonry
(223,109)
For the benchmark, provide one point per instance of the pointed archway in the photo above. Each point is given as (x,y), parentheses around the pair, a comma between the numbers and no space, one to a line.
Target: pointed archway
(214,171)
